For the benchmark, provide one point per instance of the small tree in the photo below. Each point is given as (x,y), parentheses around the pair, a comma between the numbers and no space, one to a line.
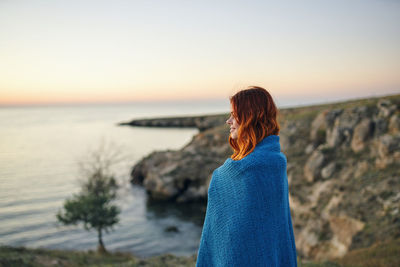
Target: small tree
(93,206)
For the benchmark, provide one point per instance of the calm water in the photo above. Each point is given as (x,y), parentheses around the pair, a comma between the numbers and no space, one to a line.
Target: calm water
(40,148)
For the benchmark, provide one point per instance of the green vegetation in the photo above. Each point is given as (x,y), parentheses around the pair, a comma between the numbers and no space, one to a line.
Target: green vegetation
(323,264)
(20,256)
(24,257)
(383,254)
(93,205)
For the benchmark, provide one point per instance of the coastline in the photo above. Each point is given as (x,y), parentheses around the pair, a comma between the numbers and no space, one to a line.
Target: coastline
(341,157)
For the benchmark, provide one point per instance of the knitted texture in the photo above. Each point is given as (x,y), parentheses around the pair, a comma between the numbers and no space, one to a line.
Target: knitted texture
(248,221)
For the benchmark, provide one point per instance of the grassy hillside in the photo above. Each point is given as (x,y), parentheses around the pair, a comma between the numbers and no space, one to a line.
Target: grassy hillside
(382,254)
(10,256)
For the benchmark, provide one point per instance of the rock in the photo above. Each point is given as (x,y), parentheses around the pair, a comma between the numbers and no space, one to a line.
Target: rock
(285,142)
(318,129)
(151,162)
(334,201)
(160,187)
(55,262)
(335,135)
(318,189)
(193,193)
(380,126)
(207,122)
(182,176)
(307,239)
(290,177)
(201,122)
(343,228)
(385,108)
(349,119)
(360,111)
(328,170)
(171,228)
(342,129)
(394,124)
(388,150)
(312,169)
(310,148)
(362,132)
(331,117)
(388,144)
(288,135)
(361,168)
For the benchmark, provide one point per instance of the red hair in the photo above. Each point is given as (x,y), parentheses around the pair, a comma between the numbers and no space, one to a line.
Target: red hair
(256,114)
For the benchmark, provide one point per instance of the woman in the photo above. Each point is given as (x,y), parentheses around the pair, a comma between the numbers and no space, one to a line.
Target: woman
(248,221)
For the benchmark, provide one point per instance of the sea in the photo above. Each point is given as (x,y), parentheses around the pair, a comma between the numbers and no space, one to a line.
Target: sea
(41,150)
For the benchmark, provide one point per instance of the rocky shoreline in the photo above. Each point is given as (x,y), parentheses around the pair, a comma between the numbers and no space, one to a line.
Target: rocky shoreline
(202,123)
(343,172)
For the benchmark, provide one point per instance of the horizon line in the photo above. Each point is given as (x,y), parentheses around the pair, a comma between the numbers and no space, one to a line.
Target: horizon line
(104,102)
(177,101)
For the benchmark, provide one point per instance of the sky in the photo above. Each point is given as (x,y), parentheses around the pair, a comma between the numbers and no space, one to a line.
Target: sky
(119,51)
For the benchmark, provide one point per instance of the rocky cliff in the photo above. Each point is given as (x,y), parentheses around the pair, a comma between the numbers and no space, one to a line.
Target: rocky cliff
(343,172)
(201,122)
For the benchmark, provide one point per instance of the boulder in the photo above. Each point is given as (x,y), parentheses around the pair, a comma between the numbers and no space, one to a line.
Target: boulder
(335,135)
(362,132)
(318,129)
(343,228)
(385,108)
(331,116)
(328,170)
(394,124)
(312,169)
(183,175)
(310,148)
(388,148)
(381,126)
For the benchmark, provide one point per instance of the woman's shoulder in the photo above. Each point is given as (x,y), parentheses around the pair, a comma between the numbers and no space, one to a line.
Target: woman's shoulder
(266,160)
(267,150)
(256,161)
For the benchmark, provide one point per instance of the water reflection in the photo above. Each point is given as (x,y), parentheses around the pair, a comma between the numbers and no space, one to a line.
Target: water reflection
(193,212)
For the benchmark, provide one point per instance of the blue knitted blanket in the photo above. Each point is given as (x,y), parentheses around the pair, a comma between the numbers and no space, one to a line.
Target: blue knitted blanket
(248,221)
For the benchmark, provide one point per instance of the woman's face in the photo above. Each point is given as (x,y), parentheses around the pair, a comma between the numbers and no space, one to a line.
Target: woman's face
(234,126)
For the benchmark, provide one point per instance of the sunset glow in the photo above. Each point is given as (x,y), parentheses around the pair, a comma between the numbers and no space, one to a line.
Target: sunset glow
(98,51)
